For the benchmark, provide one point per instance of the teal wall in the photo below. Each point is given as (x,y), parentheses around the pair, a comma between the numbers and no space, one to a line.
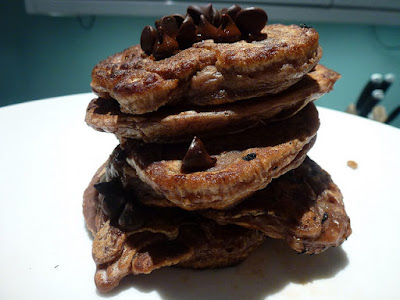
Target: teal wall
(50,56)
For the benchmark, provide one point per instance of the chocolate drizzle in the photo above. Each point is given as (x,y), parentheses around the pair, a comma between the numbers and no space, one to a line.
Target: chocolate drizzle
(197,158)
(177,32)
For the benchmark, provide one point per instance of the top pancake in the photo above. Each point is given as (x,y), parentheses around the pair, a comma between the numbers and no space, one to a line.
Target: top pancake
(208,73)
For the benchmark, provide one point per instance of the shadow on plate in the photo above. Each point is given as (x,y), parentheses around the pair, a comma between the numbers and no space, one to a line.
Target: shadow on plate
(266,272)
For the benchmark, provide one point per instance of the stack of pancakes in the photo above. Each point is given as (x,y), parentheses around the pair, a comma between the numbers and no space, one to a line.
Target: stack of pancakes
(213,141)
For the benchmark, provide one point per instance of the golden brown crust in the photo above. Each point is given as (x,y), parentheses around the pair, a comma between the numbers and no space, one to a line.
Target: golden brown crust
(174,124)
(278,148)
(208,73)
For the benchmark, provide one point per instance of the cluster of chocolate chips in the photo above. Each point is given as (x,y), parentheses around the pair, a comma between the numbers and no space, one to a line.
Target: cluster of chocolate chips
(177,32)
(113,201)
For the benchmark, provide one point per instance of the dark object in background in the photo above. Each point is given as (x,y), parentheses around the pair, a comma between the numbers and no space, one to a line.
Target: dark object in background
(393,115)
(374,83)
(370,101)
(388,79)
(373,93)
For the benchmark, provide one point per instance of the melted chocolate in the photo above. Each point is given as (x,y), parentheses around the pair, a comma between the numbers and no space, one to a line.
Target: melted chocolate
(177,32)
(113,198)
(131,217)
(112,205)
(197,158)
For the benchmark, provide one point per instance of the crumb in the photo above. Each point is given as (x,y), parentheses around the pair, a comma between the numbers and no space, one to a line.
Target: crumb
(56,267)
(352,164)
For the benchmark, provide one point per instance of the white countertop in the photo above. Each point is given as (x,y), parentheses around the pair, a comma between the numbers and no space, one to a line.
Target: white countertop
(48,155)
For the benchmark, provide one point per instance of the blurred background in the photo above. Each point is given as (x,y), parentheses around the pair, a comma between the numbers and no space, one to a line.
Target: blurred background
(48,48)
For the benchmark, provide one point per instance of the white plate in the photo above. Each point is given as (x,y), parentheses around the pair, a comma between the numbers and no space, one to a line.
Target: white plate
(48,155)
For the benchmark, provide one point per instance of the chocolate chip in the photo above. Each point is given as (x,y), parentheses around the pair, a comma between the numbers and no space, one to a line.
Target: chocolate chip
(157,23)
(205,30)
(216,17)
(176,32)
(112,205)
(187,33)
(112,197)
(131,217)
(120,155)
(166,48)
(196,11)
(324,217)
(251,20)
(228,32)
(148,39)
(197,158)
(233,11)
(179,19)
(249,156)
(169,26)
(257,37)
(112,187)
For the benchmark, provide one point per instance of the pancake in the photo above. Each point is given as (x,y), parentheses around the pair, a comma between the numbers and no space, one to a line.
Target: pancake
(176,124)
(245,162)
(214,116)
(208,73)
(159,237)
(304,207)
